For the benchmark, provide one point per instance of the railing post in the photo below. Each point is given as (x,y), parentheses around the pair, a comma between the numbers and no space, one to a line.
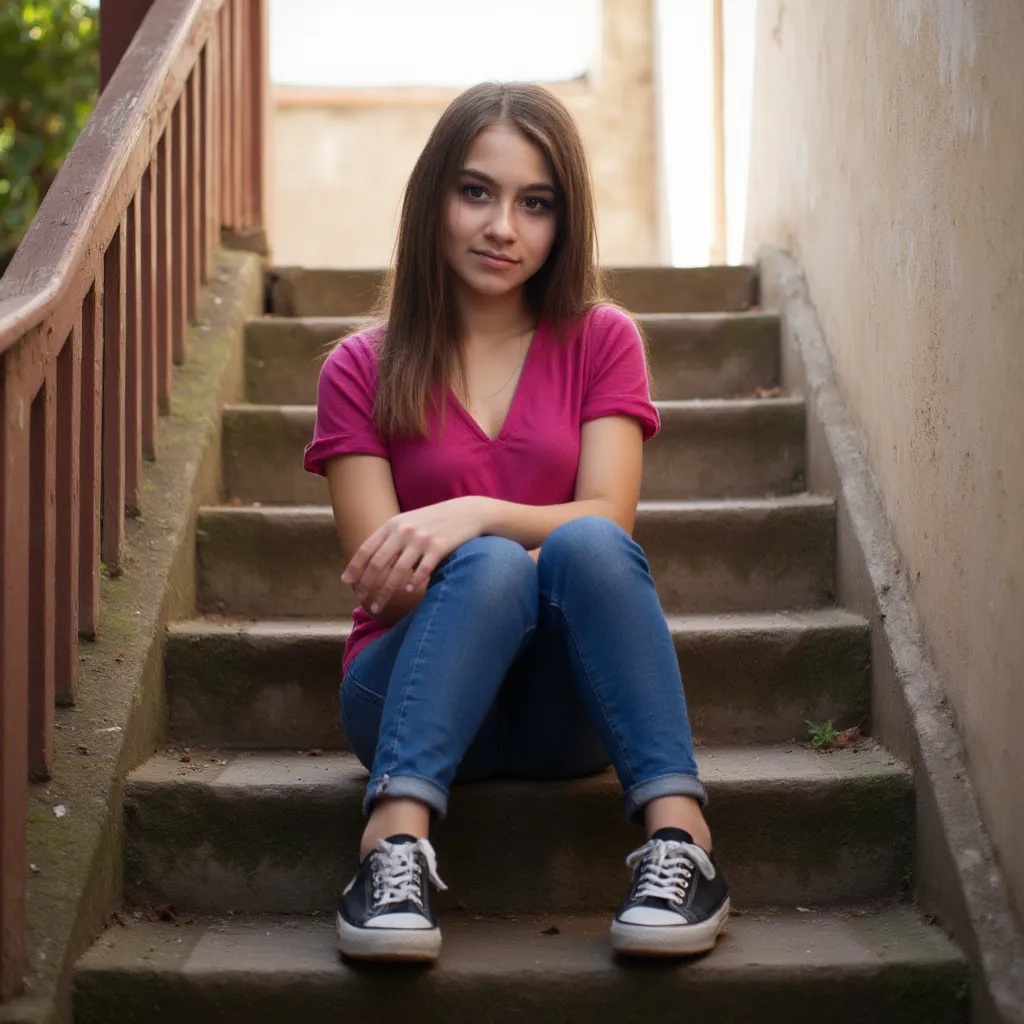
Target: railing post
(193,269)
(14,625)
(260,63)
(133,414)
(719,245)
(250,75)
(227,117)
(205,135)
(90,447)
(114,332)
(243,142)
(163,165)
(179,232)
(69,427)
(239,105)
(42,500)
(148,348)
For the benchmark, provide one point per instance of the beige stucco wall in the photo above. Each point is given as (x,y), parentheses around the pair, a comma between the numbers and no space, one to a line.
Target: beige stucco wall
(340,162)
(888,154)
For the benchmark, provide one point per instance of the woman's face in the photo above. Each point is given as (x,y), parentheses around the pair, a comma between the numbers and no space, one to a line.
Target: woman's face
(501,216)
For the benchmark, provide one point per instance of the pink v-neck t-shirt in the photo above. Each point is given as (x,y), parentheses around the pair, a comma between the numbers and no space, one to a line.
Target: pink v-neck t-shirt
(592,368)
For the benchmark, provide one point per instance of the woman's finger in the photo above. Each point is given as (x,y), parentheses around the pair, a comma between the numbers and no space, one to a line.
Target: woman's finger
(378,566)
(396,578)
(357,565)
(432,557)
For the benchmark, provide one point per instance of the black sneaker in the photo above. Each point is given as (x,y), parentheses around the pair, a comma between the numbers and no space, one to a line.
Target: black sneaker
(387,912)
(678,903)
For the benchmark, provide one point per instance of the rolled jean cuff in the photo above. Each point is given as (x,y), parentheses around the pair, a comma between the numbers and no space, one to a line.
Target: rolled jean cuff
(408,787)
(678,784)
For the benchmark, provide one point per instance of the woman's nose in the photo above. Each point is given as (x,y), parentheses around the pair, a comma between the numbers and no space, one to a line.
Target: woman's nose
(502,224)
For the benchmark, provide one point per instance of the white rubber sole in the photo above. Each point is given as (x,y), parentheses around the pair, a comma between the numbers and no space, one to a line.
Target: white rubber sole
(669,940)
(394,944)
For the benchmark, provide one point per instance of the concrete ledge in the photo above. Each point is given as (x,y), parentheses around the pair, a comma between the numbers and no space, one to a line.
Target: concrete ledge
(119,718)
(691,355)
(774,554)
(753,678)
(276,832)
(862,968)
(727,448)
(324,291)
(958,877)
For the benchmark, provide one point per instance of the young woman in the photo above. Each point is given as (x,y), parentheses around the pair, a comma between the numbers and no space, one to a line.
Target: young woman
(482,446)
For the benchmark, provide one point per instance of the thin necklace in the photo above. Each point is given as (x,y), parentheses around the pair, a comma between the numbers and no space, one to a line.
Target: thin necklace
(515,370)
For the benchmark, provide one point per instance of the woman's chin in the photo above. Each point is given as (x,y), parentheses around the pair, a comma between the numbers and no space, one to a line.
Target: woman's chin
(488,286)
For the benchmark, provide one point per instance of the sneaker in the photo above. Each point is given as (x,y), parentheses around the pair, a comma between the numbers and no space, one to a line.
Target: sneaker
(386,912)
(678,903)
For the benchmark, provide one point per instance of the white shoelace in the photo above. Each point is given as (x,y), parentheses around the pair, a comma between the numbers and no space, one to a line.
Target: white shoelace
(396,874)
(668,868)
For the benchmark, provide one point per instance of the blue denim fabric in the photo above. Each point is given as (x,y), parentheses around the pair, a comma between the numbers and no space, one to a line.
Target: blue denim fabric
(508,669)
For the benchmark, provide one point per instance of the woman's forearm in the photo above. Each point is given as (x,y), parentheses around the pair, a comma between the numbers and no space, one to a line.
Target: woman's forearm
(530,525)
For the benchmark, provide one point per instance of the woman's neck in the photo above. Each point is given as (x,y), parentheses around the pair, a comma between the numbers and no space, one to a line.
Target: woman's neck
(492,318)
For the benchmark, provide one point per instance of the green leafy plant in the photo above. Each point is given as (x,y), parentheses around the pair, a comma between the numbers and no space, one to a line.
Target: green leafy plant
(823,734)
(49,79)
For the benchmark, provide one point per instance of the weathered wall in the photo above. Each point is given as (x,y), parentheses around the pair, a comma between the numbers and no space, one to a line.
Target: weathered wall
(888,154)
(341,161)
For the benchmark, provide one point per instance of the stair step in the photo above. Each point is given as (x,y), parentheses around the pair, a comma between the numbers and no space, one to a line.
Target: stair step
(754,678)
(726,449)
(278,832)
(322,291)
(871,966)
(717,556)
(702,355)
(719,449)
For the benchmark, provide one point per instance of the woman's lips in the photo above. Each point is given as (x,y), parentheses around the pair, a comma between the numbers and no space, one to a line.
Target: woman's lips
(495,261)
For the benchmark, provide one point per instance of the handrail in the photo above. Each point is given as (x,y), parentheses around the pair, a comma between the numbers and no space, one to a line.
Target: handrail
(719,239)
(94,310)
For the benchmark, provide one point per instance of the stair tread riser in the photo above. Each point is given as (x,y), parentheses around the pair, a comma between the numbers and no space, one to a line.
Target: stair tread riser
(705,557)
(260,686)
(323,291)
(704,450)
(690,356)
(886,968)
(277,833)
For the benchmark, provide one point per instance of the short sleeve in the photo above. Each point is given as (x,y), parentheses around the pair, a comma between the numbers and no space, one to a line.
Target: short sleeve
(616,382)
(344,406)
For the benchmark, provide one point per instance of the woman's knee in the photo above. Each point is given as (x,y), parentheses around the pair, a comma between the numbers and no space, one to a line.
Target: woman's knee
(492,566)
(588,541)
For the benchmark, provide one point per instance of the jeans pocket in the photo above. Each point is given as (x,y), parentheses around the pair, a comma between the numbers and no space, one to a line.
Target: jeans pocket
(361,713)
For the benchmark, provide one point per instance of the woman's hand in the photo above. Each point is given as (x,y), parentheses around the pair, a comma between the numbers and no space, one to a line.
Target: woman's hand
(410,546)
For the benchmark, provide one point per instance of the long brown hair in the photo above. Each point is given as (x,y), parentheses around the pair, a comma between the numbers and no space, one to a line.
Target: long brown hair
(419,341)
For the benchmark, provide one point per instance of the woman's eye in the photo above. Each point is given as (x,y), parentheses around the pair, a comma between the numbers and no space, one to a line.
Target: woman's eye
(474,191)
(536,204)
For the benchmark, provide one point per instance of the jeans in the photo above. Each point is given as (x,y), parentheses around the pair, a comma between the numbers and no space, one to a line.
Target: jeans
(507,669)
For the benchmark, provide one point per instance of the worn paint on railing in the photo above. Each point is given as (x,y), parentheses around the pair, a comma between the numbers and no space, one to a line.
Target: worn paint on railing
(93,309)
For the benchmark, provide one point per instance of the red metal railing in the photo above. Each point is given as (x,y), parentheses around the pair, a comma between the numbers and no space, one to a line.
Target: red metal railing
(93,312)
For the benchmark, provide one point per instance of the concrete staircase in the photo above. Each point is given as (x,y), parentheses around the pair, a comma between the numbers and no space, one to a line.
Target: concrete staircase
(239,839)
